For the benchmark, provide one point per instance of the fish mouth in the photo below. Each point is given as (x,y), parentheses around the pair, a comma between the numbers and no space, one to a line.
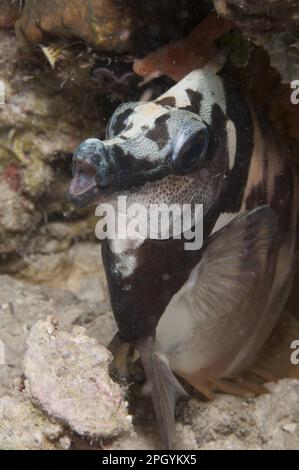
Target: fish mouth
(83,199)
(83,189)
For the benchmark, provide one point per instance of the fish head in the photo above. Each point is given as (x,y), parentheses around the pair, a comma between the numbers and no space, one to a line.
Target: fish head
(154,152)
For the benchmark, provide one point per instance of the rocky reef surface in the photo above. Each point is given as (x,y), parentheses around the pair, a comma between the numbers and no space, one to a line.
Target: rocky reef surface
(56,391)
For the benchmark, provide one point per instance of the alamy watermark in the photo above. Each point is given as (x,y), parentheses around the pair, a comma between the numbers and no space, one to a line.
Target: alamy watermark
(152,221)
(295,94)
(2,92)
(294,358)
(2,353)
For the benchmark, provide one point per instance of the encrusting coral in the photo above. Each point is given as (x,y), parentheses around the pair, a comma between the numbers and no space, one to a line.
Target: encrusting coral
(178,58)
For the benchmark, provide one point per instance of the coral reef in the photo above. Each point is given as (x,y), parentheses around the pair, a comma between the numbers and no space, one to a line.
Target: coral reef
(272,24)
(66,377)
(40,124)
(179,58)
(10,10)
(65,67)
(260,19)
(108,25)
(102,23)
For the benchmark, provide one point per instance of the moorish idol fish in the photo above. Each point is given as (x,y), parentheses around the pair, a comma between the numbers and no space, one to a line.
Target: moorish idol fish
(203,315)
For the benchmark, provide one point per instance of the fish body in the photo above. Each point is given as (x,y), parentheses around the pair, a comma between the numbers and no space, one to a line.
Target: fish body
(204,314)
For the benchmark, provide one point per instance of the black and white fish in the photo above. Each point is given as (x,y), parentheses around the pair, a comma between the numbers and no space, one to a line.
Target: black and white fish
(203,314)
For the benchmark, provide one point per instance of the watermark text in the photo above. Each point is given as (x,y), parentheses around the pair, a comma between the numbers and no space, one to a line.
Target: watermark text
(153,221)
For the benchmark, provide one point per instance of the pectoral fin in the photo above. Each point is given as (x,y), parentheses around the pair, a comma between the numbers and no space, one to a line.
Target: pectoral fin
(234,273)
(233,287)
(165,389)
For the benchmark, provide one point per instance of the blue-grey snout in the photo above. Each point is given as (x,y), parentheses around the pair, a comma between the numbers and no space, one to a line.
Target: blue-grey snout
(91,172)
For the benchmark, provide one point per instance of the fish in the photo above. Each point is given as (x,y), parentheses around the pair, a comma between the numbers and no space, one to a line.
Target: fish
(206,315)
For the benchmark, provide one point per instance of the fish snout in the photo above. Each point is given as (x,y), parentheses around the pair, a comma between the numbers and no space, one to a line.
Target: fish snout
(91,172)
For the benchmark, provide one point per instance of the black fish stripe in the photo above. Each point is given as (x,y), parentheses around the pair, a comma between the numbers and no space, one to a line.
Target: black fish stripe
(118,123)
(217,131)
(159,132)
(195,98)
(168,101)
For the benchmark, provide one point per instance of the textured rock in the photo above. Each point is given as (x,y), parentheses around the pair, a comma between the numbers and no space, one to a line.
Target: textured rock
(264,422)
(17,216)
(9,12)
(102,23)
(21,305)
(52,261)
(258,18)
(283,50)
(67,376)
(108,25)
(273,24)
(32,109)
(22,427)
(269,421)
(42,121)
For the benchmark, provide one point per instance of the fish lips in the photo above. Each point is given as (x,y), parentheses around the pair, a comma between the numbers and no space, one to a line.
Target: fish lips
(91,174)
(86,190)
(85,198)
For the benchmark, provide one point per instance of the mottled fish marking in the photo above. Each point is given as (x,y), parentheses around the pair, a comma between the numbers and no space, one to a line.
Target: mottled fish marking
(208,318)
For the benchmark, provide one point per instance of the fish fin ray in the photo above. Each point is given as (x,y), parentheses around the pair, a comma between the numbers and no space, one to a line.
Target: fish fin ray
(231,273)
(165,389)
(231,387)
(240,386)
(203,386)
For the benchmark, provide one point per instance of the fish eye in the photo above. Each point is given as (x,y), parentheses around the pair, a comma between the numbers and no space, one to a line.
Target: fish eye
(189,152)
